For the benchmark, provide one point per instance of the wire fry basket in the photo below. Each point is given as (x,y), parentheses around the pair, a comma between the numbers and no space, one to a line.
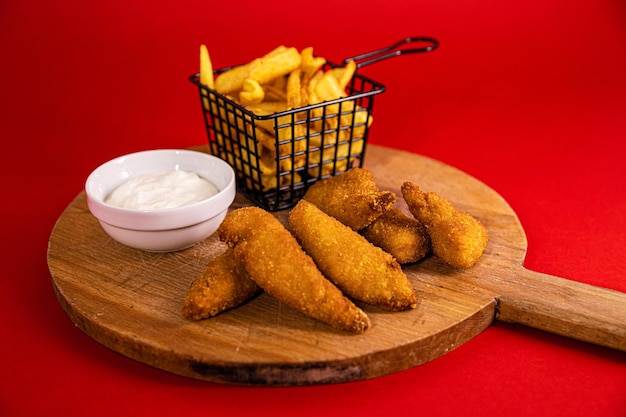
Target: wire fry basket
(278,156)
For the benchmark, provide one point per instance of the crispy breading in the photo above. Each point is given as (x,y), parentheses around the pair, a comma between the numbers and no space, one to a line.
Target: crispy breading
(361,270)
(402,236)
(353,198)
(277,263)
(457,238)
(224,284)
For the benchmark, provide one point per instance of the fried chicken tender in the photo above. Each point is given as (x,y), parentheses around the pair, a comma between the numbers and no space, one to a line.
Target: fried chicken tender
(353,198)
(457,238)
(402,236)
(361,270)
(224,284)
(277,263)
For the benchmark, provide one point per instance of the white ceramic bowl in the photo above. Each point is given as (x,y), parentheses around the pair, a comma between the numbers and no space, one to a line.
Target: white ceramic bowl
(163,230)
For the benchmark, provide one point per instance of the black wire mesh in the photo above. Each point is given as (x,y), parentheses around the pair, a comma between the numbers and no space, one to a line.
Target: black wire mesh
(277,156)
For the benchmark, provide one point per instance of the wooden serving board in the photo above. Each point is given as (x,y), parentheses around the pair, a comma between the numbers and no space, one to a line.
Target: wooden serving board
(130,300)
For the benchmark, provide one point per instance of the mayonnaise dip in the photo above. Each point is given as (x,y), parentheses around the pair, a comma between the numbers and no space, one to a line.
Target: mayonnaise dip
(162,190)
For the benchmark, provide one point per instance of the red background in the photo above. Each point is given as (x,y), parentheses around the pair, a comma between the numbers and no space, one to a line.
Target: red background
(529,97)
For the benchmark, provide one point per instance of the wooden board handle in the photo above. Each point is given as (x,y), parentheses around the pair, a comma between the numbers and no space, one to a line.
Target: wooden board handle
(568,308)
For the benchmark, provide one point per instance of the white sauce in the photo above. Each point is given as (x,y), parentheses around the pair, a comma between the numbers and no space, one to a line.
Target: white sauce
(162,190)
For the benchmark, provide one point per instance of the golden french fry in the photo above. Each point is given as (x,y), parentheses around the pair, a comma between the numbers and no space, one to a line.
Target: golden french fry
(206,68)
(286,129)
(267,162)
(285,179)
(276,65)
(326,162)
(293,93)
(265,137)
(269,107)
(312,88)
(279,83)
(344,74)
(251,93)
(348,74)
(232,80)
(310,63)
(274,93)
(278,50)
(328,88)
(206,74)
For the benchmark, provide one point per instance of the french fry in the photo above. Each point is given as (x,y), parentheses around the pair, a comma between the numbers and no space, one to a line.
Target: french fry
(276,51)
(206,73)
(232,80)
(275,93)
(279,83)
(268,107)
(276,65)
(310,63)
(328,88)
(251,93)
(344,74)
(206,68)
(293,91)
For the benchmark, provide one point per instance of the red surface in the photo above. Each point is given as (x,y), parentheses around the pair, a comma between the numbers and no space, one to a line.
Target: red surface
(529,97)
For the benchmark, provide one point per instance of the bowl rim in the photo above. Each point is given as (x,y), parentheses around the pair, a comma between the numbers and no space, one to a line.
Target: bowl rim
(166,218)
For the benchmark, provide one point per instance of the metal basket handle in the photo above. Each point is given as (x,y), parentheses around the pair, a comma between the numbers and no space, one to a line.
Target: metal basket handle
(394,50)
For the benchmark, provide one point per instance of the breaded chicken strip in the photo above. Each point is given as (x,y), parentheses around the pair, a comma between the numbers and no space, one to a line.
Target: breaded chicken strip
(353,198)
(276,262)
(224,284)
(402,236)
(457,238)
(361,270)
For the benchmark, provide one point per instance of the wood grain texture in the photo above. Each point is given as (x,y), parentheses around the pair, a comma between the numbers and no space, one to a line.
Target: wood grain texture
(130,300)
